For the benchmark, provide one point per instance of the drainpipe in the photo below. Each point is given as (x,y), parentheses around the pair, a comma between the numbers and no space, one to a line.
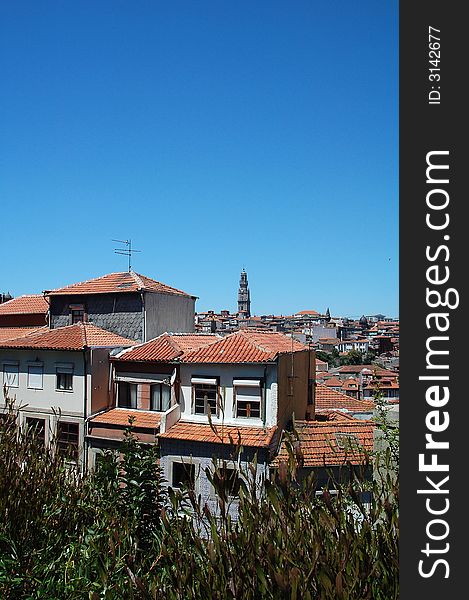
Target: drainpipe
(264,399)
(144,320)
(85,410)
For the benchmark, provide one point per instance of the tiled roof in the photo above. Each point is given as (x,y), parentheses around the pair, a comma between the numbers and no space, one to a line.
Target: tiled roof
(256,437)
(167,347)
(333,382)
(11,333)
(120,416)
(351,384)
(126,281)
(338,415)
(327,399)
(308,312)
(72,337)
(27,304)
(331,443)
(245,347)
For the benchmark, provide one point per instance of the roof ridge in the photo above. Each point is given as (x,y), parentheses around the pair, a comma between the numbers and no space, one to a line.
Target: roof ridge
(138,280)
(256,344)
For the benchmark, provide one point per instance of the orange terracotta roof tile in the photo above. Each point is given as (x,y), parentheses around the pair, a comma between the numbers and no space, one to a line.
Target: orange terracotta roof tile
(256,437)
(245,347)
(126,281)
(25,305)
(11,333)
(327,398)
(167,347)
(333,382)
(331,443)
(72,337)
(308,312)
(143,419)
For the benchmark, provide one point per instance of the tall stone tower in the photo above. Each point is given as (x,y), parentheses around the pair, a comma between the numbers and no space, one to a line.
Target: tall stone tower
(244,298)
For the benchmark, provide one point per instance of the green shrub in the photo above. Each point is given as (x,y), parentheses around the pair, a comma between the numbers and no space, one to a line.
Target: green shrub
(118,532)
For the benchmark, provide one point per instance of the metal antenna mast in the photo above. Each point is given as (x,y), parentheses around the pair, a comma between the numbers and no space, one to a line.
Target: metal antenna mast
(128,251)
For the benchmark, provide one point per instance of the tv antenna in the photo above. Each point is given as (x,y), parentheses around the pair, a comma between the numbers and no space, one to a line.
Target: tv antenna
(127,251)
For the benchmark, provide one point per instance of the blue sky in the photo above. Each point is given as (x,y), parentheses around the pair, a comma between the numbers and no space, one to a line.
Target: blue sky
(216,135)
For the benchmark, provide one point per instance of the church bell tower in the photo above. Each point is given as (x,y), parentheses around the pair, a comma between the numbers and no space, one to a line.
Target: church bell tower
(244,298)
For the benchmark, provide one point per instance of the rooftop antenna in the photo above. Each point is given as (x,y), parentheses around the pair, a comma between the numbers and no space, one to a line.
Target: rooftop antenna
(127,251)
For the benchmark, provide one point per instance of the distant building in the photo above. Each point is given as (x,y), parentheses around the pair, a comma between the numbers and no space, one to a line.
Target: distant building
(244,296)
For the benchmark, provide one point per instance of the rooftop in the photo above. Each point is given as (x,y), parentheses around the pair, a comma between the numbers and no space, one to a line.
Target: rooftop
(255,437)
(331,443)
(245,347)
(167,347)
(27,304)
(125,281)
(72,337)
(11,333)
(327,398)
(144,419)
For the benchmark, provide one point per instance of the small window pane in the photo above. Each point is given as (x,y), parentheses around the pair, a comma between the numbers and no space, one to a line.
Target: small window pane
(37,427)
(127,395)
(11,375)
(64,380)
(35,377)
(205,398)
(67,439)
(248,401)
(183,475)
(160,397)
(78,316)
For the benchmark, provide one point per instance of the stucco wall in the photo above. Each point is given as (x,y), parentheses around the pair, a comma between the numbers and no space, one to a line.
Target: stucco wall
(227,373)
(68,402)
(168,312)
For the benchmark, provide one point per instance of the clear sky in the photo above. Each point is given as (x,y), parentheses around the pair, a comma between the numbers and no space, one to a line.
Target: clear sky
(216,135)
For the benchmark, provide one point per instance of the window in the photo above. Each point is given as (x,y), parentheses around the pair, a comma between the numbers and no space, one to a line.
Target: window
(205,396)
(35,373)
(11,374)
(226,481)
(38,428)
(160,397)
(64,378)
(77,312)
(127,394)
(67,439)
(183,475)
(248,397)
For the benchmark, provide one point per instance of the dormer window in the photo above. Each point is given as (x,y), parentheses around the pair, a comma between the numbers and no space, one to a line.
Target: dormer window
(77,312)
(248,398)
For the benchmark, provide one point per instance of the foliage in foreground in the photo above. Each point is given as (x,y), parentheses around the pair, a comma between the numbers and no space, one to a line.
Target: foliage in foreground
(118,534)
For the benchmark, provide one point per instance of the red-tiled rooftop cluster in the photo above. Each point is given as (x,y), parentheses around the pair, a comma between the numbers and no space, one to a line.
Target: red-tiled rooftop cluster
(126,281)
